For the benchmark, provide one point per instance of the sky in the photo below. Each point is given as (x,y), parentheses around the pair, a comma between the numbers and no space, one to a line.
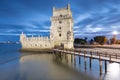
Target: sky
(91,17)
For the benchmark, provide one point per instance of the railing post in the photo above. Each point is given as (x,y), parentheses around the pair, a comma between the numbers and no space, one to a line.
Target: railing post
(84,53)
(74,52)
(110,57)
(66,50)
(79,53)
(97,53)
(116,55)
(99,56)
(106,54)
(91,54)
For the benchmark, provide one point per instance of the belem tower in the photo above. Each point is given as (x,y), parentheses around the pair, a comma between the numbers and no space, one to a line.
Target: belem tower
(61,32)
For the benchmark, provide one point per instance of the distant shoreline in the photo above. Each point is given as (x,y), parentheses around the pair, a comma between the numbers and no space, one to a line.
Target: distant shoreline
(98,46)
(9,42)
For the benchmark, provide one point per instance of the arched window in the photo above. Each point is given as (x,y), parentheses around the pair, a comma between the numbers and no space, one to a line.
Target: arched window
(61,15)
(59,27)
(60,22)
(45,45)
(35,44)
(60,35)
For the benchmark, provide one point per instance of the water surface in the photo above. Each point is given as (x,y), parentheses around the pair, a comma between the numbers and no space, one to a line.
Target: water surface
(16,65)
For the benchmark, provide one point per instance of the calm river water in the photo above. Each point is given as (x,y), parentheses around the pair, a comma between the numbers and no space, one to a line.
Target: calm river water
(15,65)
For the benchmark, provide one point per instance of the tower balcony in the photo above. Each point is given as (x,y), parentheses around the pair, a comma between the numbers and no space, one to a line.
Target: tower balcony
(61,17)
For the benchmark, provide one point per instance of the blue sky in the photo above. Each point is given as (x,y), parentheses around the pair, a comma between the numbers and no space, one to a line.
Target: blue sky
(91,17)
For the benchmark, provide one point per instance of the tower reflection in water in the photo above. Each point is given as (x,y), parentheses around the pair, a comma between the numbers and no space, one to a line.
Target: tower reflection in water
(100,69)
(48,67)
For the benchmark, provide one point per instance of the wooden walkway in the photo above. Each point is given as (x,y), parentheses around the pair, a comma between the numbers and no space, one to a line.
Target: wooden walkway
(101,55)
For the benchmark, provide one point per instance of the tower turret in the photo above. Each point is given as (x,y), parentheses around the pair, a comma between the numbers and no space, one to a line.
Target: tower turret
(22,36)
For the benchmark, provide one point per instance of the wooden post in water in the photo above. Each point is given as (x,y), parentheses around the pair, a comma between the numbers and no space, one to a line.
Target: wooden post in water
(85,64)
(105,66)
(61,56)
(67,58)
(62,53)
(74,61)
(90,63)
(90,60)
(53,54)
(100,62)
(71,58)
(79,59)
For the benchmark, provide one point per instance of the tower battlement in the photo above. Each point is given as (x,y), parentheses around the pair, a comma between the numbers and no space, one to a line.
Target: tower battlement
(59,9)
(64,11)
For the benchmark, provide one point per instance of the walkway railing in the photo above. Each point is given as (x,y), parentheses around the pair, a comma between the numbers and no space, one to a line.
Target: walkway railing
(112,57)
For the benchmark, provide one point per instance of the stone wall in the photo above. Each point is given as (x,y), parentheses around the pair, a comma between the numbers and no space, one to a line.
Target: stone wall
(35,42)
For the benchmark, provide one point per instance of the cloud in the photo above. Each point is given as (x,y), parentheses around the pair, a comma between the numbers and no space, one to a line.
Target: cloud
(82,17)
(91,17)
(30,30)
(9,34)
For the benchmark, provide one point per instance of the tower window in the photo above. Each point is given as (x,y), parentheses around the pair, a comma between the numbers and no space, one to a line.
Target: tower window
(45,45)
(60,35)
(61,15)
(60,21)
(35,44)
(59,27)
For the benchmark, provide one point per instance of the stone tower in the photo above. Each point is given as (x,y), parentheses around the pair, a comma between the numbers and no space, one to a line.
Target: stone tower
(61,33)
